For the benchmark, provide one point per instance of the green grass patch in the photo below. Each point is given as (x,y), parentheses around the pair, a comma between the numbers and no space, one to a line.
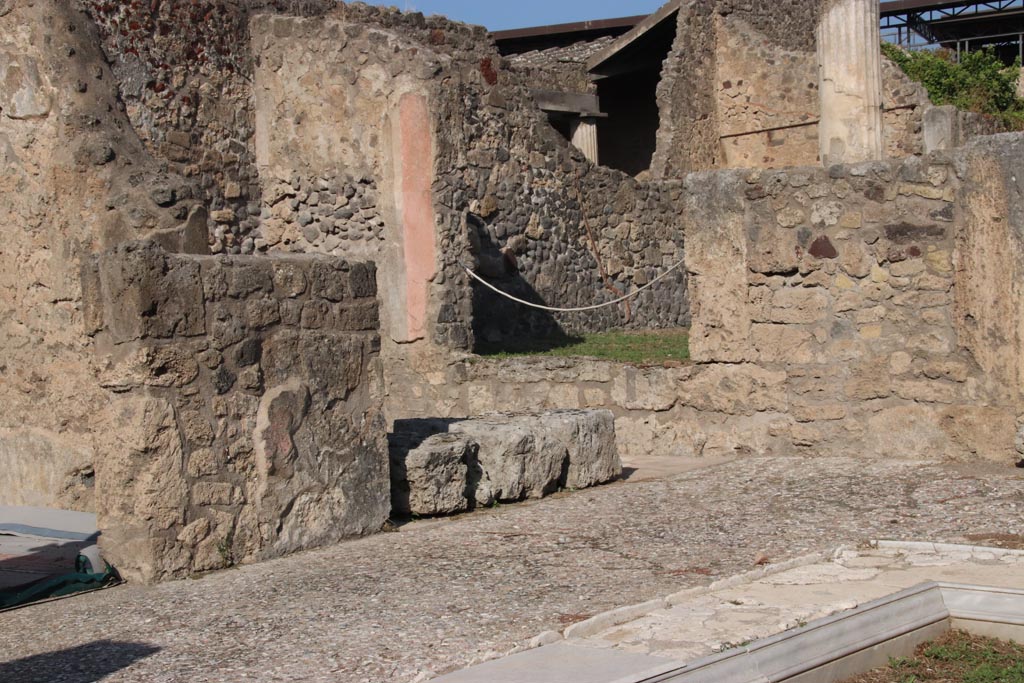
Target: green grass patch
(649,347)
(956,657)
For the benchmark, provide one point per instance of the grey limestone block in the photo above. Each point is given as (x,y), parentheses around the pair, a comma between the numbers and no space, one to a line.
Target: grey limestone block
(431,477)
(514,461)
(589,439)
(445,466)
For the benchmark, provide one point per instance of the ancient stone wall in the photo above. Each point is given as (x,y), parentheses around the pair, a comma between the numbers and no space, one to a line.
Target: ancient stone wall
(823,319)
(249,394)
(75,178)
(688,137)
(770,119)
(546,225)
(844,279)
(562,69)
(904,101)
(507,195)
(183,70)
(767,100)
(740,90)
(789,24)
(120,384)
(947,128)
(733,37)
(989,313)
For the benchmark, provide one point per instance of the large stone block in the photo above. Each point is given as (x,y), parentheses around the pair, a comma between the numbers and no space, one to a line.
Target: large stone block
(444,466)
(430,477)
(912,431)
(717,260)
(653,389)
(741,389)
(795,306)
(512,462)
(143,492)
(589,438)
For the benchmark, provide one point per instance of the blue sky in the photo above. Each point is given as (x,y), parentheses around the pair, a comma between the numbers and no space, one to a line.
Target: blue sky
(498,15)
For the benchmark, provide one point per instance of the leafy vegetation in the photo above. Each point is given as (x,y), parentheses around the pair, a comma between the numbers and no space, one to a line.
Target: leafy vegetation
(640,348)
(979,83)
(956,657)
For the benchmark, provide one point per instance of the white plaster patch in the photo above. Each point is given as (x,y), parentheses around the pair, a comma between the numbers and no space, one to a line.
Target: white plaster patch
(24,92)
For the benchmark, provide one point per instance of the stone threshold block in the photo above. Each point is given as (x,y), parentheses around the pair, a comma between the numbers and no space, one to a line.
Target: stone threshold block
(441,467)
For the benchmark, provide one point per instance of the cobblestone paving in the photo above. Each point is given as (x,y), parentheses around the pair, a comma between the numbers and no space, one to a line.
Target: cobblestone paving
(439,596)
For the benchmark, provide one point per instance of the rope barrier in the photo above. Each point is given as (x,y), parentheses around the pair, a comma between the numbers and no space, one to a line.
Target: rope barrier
(573,310)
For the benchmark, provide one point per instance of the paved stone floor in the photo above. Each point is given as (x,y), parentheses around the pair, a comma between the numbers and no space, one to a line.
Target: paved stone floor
(681,630)
(441,595)
(692,626)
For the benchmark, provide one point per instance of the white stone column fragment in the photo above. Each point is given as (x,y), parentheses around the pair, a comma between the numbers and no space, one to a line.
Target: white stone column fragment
(850,79)
(584,137)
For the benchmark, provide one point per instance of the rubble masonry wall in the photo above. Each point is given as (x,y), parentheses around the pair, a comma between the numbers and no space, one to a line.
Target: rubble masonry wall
(75,179)
(250,391)
(824,319)
(183,71)
(740,90)
(510,197)
(125,399)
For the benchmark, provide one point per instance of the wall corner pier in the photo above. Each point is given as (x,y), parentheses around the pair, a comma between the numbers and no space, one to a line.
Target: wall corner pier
(249,399)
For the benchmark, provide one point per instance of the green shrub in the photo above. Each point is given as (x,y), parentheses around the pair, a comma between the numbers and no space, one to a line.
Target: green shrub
(979,83)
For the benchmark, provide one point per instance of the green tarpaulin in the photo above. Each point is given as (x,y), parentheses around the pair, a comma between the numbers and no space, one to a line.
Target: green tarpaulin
(55,587)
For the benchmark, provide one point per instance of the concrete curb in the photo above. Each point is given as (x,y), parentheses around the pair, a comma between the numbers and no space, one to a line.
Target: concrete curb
(920,546)
(826,649)
(611,618)
(857,640)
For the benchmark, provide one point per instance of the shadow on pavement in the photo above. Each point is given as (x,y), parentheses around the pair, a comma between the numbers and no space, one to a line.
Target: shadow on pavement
(83,664)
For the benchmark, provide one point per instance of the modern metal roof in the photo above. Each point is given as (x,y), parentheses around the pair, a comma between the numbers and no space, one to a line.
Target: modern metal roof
(541,38)
(575,27)
(627,30)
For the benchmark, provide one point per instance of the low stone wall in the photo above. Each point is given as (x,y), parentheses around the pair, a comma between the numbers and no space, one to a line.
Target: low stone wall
(723,410)
(248,394)
(691,411)
(844,281)
(824,319)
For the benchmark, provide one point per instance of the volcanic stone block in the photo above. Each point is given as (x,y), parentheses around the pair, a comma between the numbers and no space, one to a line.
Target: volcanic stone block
(149,293)
(445,466)
(589,439)
(515,460)
(431,477)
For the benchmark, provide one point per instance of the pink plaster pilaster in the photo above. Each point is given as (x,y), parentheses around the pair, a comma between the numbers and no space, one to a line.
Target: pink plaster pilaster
(417,209)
